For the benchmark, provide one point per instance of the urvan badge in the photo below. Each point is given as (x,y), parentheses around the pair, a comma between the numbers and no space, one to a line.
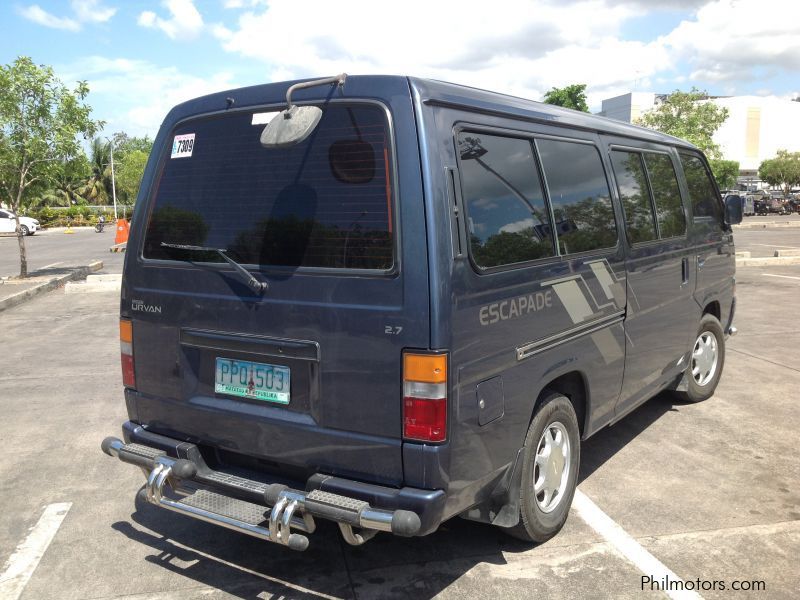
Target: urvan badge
(138,305)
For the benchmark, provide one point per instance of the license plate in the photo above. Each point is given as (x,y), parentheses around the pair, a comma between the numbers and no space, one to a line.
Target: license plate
(252,380)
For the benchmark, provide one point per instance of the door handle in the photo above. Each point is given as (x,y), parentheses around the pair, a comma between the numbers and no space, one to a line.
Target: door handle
(684,271)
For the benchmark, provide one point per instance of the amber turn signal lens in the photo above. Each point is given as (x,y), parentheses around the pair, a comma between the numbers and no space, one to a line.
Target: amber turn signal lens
(425,368)
(125,331)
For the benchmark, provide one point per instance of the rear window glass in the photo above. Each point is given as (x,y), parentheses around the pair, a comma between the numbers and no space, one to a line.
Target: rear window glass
(326,202)
(508,219)
(576,180)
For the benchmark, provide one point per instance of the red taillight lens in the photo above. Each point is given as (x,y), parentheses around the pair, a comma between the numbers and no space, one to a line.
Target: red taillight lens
(425,397)
(425,419)
(126,353)
(128,374)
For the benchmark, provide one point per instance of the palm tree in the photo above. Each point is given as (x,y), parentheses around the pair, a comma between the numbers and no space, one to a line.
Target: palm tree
(97,189)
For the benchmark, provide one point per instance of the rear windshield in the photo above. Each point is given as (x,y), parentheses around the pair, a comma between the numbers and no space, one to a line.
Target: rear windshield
(326,202)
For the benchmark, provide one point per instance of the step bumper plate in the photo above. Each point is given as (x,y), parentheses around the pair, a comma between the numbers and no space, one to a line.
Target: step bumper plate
(285,517)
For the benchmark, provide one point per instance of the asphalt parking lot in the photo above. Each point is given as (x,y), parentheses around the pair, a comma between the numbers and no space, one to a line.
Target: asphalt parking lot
(709,491)
(53,248)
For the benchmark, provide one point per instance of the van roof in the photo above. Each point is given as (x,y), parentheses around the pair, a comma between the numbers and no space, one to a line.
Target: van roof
(441,93)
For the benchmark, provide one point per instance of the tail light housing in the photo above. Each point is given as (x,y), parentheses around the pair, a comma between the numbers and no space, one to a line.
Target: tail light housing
(126,353)
(424,397)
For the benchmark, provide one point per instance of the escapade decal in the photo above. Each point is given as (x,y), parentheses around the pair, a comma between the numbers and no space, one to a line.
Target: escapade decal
(182,146)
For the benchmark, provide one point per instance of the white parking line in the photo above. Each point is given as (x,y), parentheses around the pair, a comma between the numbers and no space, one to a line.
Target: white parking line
(781,276)
(773,246)
(23,562)
(629,547)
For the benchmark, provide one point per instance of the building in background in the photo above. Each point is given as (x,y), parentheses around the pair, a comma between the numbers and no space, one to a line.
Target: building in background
(755,130)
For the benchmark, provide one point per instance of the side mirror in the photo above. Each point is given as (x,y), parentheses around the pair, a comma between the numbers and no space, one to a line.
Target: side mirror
(733,210)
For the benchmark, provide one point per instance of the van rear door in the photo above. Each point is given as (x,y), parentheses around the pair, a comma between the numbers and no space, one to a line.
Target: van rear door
(305,377)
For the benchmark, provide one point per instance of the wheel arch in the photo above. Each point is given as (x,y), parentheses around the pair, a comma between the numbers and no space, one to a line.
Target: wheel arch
(713,308)
(574,386)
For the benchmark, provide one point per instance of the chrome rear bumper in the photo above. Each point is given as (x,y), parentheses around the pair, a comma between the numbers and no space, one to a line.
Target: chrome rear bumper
(287,508)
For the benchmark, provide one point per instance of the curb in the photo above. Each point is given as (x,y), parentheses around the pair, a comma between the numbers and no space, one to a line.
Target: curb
(46,286)
(768,261)
(95,283)
(768,225)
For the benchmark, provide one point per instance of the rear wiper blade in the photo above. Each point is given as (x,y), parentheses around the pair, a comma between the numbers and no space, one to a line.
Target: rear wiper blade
(254,284)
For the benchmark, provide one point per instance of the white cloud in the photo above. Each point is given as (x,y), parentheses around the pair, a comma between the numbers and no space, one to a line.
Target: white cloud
(38,15)
(729,39)
(543,45)
(523,47)
(86,11)
(92,11)
(518,226)
(184,22)
(134,96)
(242,3)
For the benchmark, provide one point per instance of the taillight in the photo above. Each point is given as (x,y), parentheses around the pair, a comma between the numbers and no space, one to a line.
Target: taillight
(425,397)
(126,353)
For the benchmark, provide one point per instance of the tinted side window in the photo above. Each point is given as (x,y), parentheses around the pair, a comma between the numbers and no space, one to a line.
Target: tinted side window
(667,195)
(508,219)
(632,185)
(579,194)
(701,189)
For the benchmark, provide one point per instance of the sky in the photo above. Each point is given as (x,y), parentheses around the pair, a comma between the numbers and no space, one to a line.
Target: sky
(141,58)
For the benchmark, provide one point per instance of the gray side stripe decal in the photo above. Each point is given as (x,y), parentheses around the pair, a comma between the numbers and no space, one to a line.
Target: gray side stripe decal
(609,350)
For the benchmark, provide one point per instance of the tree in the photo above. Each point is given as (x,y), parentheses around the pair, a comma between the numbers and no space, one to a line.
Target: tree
(129,175)
(572,96)
(98,187)
(40,120)
(123,144)
(688,115)
(66,184)
(783,170)
(725,172)
(130,158)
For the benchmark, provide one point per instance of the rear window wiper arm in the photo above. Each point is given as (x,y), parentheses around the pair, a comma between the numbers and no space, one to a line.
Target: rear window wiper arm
(254,284)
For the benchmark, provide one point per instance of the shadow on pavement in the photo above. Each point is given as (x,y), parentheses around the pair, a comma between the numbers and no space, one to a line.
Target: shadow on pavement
(598,449)
(247,567)
(385,567)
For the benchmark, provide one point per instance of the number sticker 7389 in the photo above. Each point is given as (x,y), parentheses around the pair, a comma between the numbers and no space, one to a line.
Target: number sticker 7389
(182,145)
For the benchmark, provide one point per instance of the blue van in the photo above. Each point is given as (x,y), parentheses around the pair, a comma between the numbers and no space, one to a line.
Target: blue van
(389,301)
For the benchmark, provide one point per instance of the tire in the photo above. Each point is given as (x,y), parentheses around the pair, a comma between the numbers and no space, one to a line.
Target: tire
(706,362)
(23,229)
(554,423)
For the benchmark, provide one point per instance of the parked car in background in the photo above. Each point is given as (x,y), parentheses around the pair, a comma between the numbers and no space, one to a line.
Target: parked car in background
(778,206)
(8,223)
